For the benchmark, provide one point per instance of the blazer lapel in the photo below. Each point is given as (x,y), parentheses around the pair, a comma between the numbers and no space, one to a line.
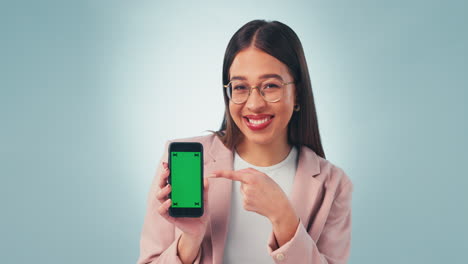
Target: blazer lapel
(306,188)
(220,158)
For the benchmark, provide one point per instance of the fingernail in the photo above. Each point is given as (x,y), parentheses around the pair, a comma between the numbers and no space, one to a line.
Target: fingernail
(212,175)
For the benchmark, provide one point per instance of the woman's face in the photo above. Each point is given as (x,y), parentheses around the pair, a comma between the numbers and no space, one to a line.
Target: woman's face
(260,121)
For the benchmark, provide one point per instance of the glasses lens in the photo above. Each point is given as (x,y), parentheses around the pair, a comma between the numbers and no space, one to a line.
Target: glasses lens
(238,91)
(272,90)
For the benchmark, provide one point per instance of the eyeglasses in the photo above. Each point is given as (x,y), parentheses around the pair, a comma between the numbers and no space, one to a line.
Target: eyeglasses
(271,90)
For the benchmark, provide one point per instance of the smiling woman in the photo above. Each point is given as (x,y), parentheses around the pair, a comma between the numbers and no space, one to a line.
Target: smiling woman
(268,176)
(263,124)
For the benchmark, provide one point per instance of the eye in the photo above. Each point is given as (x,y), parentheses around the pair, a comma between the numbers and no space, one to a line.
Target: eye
(239,87)
(270,85)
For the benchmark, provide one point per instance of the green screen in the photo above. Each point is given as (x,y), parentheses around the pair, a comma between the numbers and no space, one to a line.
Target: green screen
(186,179)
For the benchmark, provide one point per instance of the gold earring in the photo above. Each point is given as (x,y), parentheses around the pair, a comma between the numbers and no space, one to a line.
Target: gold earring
(297,107)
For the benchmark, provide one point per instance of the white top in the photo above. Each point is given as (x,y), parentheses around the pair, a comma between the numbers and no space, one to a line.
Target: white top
(248,232)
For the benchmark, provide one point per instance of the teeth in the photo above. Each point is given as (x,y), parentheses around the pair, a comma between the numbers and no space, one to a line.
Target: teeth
(258,122)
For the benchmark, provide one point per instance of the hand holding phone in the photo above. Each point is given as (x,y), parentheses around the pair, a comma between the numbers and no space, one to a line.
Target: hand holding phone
(194,226)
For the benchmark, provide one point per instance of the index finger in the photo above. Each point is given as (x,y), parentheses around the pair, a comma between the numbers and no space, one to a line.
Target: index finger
(229,174)
(164,176)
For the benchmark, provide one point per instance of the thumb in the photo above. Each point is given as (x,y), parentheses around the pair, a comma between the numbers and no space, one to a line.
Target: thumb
(205,194)
(205,188)
(205,184)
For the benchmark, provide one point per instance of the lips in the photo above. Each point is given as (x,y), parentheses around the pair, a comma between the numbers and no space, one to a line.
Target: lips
(258,122)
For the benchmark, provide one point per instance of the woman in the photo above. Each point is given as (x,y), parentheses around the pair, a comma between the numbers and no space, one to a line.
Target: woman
(271,195)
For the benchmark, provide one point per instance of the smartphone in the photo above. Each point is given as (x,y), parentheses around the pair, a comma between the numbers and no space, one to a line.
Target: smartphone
(186,179)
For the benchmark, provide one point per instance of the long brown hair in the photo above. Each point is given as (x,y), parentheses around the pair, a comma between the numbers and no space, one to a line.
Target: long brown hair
(281,42)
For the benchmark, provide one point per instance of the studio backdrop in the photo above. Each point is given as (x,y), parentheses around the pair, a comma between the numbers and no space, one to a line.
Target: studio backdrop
(91,91)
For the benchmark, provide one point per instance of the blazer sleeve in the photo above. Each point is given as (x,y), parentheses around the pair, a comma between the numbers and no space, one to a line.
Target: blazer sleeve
(158,242)
(334,243)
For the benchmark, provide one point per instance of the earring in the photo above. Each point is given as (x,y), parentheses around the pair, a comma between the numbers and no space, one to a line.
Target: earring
(297,107)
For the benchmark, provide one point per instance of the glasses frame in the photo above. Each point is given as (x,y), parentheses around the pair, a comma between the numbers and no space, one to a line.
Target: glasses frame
(259,90)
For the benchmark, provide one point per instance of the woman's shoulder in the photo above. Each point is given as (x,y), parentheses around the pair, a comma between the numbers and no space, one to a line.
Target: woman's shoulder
(331,174)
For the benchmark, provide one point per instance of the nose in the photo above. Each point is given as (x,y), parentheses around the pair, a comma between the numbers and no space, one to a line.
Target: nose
(255,102)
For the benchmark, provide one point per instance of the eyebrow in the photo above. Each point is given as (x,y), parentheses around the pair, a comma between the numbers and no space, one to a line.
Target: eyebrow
(264,76)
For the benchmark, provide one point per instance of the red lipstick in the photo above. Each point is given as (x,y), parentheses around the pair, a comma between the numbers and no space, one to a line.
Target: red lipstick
(258,122)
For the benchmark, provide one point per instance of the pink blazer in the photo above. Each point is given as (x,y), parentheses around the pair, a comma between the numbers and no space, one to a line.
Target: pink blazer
(321,196)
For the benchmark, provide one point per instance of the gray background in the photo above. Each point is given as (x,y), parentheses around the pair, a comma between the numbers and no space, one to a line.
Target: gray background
(91,90)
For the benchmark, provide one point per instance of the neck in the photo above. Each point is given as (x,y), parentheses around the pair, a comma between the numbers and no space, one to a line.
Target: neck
(263,155)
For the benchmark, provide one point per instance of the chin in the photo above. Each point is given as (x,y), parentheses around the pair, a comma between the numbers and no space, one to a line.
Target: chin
(260,141)
(258,137)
